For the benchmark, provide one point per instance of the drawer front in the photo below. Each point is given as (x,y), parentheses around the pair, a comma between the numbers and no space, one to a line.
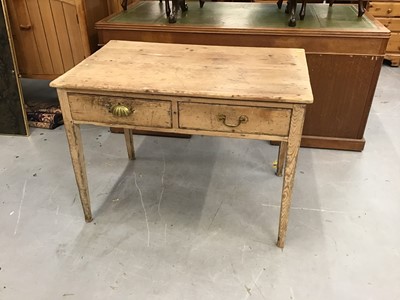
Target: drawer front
(384,9)
(392,24)
(234,118)
(120,110)
(394,43)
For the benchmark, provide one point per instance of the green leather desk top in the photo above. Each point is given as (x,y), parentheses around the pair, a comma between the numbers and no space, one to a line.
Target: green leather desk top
(247,15)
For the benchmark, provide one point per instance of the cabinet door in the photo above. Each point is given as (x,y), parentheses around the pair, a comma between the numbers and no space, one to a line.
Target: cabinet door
(69,35)
(12,113)
(29,58)
(47,36)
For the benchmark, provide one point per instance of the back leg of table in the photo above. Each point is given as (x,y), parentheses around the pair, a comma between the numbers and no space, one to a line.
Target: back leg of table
(296,128)
(129,143)
(281,158)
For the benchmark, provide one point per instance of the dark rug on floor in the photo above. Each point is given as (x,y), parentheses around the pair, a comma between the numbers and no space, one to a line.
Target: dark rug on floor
(41,103)
(44,115)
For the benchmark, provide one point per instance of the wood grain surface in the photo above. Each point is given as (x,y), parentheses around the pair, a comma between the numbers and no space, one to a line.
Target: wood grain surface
(281,158)
(156,68)
(296,127)
(260,120)
(77,157)
(148,113)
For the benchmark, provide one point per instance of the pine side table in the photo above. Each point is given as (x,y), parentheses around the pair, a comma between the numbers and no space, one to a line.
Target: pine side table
(238,92)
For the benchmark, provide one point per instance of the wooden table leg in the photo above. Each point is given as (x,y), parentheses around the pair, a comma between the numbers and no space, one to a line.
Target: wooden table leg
(281,158)
(296,128)
(78,162)
(76,150)
(129,143)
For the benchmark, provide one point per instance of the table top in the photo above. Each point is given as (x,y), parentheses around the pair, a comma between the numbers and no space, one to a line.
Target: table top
(249,16)
(235,73)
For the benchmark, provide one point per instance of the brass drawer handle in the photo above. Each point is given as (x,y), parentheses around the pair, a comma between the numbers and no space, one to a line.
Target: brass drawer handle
(242,120)
(389,10)
(120,110)
(25,27)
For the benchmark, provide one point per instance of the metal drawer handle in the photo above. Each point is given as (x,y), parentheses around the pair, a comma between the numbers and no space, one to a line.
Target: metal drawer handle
(389,10)
(120,110)
(242,120)
(25,27)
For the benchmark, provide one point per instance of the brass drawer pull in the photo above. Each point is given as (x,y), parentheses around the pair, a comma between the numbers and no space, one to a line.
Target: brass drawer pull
(242,120)
(389,10)
(120,110)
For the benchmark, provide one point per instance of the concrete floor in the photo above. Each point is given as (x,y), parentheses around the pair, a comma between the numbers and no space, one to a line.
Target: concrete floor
(197,218)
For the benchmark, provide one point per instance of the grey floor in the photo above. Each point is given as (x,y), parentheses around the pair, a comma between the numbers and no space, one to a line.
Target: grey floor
(197,218)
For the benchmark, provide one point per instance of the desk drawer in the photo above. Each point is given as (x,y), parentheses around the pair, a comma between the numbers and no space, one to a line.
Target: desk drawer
(120,110)
(384,9)
(234,118)
(393,24)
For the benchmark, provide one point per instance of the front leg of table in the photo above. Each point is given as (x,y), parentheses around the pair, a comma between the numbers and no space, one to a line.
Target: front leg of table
(76,150)
(296,128)
(129,143)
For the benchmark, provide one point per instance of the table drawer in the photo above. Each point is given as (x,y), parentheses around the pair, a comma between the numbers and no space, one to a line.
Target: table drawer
(234,118)
(384,9)
(120,110)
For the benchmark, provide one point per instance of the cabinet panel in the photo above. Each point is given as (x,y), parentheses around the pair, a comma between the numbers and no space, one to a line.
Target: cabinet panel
(384,9)
(393,24)
(394,43)
(25,43)
(40,36)
(62,34)
(51,36)
(95,11)
(73,32)
(389,16)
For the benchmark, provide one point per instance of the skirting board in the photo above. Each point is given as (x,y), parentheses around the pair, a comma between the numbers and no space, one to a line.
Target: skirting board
(331,143)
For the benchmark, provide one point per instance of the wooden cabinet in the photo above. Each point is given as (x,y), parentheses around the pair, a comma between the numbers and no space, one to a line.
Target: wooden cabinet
(52,36)
(388,13)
